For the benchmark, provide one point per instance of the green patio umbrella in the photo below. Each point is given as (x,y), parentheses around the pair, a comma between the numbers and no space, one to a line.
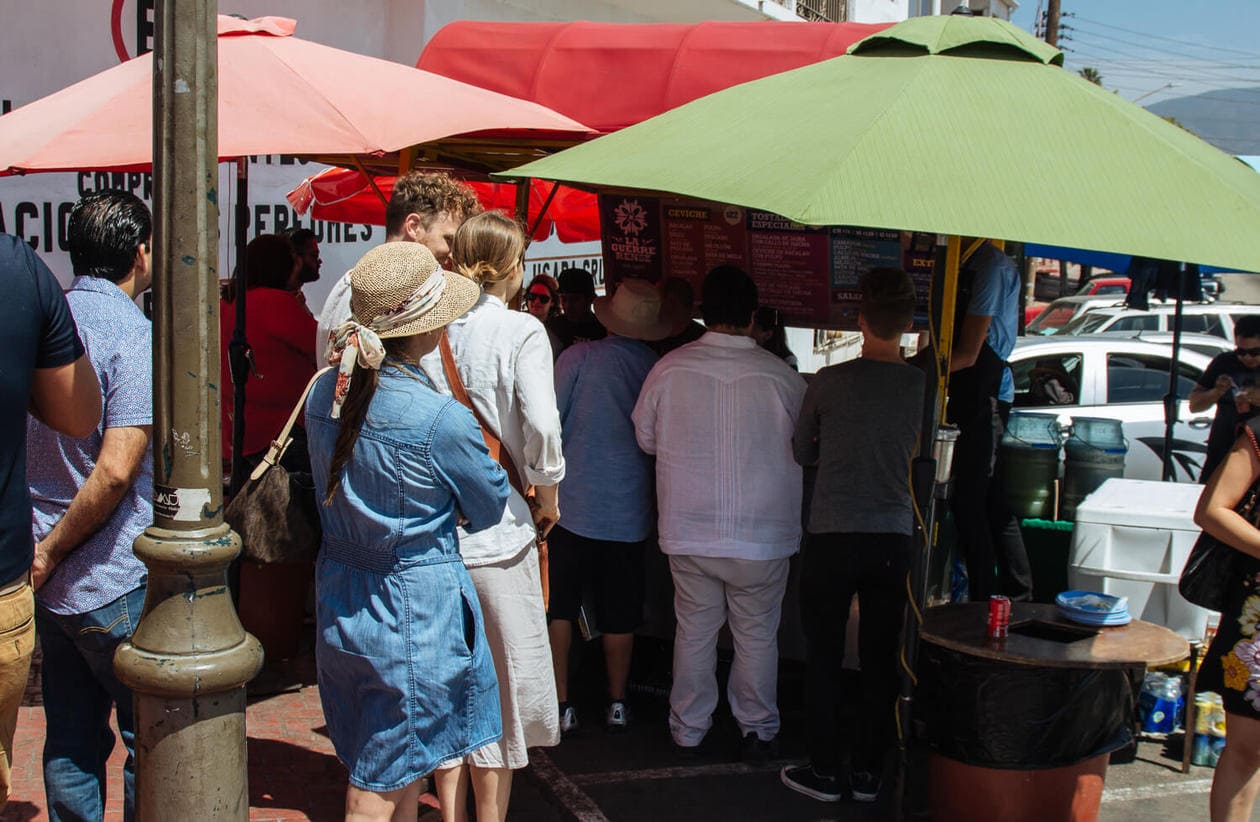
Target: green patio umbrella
(953,125)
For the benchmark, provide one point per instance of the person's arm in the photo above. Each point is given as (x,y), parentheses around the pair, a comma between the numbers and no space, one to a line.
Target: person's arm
(1225,488)
(805,437)
(67,398)
(123,451)
(986,302)
(567,368)
(1211,387)
(975,330)
(644,414)
(479,484)
(546,508)
(535,389)
(293,325)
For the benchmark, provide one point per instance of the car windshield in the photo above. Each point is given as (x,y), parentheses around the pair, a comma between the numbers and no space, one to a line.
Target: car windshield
(1053,319)
(1085,323)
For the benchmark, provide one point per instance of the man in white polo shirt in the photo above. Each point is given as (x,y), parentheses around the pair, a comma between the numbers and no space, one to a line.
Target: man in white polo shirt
(719,414)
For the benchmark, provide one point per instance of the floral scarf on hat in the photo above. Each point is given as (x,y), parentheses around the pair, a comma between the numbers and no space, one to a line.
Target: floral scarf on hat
(354,343)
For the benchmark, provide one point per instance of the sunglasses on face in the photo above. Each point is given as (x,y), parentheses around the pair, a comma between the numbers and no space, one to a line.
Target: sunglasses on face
(537,296)
(1247,352)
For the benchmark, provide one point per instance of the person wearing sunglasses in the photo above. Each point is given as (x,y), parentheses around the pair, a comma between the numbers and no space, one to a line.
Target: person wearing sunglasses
(542,299)
(1231,383)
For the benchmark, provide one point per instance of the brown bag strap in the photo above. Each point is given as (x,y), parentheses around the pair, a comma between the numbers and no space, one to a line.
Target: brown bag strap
(498,451)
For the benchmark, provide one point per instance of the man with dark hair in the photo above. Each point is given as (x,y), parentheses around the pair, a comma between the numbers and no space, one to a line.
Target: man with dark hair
(678,302)
(92,497)
(718,414)
(576,322)
(306,247)
(860,425)
(47,373)
(423,208)
(1231,383)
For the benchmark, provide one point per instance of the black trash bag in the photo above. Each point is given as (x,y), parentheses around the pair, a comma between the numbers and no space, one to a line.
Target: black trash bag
(1021,717)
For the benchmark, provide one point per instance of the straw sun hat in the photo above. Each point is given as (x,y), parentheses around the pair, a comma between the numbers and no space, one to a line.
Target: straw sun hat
(389,274)
(634,310)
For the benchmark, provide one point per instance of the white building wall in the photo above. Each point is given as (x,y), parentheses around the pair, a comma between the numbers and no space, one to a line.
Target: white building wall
(51,44)
(878,11)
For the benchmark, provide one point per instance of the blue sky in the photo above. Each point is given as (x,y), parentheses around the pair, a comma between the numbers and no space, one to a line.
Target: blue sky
(1159,49)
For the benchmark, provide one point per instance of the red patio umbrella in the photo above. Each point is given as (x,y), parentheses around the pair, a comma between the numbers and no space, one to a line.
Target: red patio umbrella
(348,196)
(613,75)
(278,94)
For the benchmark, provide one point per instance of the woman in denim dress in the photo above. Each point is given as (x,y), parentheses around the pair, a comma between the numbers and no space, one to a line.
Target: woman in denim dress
(405,676)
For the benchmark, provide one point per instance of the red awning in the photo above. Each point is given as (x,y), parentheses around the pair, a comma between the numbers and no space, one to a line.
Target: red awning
(612,75)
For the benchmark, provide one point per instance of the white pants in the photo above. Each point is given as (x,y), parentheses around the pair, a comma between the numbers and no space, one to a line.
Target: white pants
(516,632)
(747,594)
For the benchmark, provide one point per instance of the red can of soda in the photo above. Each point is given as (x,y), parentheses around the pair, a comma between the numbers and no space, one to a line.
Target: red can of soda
(999,616)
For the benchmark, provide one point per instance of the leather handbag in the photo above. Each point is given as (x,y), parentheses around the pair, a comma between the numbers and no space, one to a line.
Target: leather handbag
(275,512)
(1211,567)
(498,453)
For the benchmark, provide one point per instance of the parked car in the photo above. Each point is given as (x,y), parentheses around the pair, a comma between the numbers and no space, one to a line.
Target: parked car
(1109,285)
(1203,343)
(1065,309)
(1117,378)
(1213,319)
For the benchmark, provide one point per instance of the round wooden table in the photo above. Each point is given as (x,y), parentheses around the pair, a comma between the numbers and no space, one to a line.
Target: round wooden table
(1022,727)
(962,628)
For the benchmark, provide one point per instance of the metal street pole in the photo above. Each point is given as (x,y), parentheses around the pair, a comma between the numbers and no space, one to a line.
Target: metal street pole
(189,658)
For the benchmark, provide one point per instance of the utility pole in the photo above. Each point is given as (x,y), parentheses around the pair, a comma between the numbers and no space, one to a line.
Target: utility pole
(189,658)
(1052,22)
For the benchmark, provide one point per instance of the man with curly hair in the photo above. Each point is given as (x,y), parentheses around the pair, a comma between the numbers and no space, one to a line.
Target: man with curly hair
(423,208)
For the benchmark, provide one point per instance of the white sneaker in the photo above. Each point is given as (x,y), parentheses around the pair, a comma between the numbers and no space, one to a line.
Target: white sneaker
(568,720)
(618,718)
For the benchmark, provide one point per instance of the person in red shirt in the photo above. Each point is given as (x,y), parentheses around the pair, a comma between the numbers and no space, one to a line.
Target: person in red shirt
(281,332)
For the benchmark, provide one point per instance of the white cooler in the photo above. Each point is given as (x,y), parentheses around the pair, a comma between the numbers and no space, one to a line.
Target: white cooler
(1131,539)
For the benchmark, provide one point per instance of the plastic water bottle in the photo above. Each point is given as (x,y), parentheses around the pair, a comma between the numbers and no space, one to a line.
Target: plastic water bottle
(1160,702)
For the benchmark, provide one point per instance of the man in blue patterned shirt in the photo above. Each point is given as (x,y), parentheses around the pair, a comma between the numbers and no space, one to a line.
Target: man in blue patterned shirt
(91,498)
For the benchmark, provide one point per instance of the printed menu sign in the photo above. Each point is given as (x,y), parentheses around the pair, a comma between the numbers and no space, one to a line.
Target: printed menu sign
(700,236)
(812,274)
(789,261)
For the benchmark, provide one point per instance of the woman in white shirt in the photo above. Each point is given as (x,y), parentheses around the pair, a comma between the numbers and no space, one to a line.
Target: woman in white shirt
(503,359)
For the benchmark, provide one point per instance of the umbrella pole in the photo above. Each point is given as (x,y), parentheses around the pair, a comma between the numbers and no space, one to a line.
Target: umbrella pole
(543,211)
(240,355)
(924,488)
(1170,399)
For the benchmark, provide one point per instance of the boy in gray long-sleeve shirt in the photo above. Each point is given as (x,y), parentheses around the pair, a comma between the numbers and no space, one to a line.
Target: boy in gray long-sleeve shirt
(860,425)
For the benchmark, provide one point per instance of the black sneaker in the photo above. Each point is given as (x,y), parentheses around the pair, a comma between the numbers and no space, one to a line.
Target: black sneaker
(757,751)
(864,785)
(804,779)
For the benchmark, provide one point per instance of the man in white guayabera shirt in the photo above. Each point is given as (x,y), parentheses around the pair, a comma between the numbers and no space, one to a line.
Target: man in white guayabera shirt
(718,414)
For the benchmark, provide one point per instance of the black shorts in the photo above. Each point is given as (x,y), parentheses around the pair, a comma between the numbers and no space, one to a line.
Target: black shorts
(613,572)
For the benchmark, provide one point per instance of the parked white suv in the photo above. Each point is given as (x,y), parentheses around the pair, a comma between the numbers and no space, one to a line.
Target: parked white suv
(1215,319)
(1117,378)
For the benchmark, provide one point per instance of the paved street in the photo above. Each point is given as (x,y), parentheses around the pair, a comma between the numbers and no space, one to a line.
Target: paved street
(595,776)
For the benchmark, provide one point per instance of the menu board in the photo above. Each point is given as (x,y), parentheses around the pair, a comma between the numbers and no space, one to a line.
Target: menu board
(812,274)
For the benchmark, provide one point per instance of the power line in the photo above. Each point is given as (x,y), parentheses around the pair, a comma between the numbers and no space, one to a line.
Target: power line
(1160,37)
(1159,51)
(1097,51)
